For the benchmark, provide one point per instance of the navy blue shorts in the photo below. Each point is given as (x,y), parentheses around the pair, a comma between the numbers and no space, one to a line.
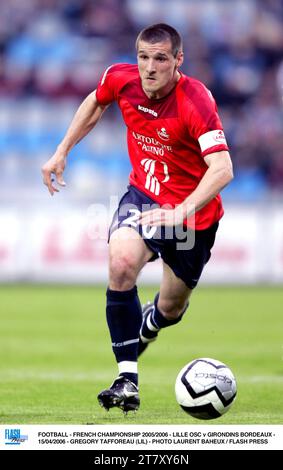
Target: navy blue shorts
(186,251)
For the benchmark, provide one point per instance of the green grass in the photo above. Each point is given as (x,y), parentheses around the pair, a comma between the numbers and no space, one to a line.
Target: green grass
(56,355)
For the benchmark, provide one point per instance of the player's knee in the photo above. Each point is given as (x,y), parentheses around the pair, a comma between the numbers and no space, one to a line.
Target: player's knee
(172,308)
(122,272)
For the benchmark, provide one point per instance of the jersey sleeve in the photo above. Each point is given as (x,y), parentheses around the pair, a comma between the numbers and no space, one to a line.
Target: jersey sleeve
(204,123)
(106,91)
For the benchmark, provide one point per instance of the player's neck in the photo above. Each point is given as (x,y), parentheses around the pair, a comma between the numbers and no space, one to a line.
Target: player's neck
(156,95)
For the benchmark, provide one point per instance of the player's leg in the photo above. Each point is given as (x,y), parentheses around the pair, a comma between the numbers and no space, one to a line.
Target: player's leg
(167,308)
(182,271)
(173,295)
(127,255)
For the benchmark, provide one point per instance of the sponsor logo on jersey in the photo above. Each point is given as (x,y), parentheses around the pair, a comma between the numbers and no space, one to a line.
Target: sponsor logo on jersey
(211,139)
(162,133)
(143,139)
(147,110)
(219,137)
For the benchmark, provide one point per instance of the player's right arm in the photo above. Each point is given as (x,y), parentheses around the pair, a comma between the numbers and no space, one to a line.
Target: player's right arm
(86,117)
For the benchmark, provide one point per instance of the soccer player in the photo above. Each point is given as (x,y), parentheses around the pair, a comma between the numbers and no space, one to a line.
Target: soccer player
(180,163)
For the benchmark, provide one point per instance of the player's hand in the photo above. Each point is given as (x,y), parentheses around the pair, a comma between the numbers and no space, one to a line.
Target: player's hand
(166,217)
(53,170)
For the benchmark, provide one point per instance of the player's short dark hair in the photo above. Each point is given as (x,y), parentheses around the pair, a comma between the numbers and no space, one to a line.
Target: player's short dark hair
(161,32)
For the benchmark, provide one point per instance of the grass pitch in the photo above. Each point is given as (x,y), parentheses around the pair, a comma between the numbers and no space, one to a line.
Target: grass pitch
(56,355)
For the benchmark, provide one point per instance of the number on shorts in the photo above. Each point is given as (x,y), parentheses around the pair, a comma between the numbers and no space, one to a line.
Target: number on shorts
(132,220)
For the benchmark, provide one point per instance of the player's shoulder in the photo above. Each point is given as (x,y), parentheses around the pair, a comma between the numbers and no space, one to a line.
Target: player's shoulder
(122,69)
(195,90)
(116,76)
(113,80)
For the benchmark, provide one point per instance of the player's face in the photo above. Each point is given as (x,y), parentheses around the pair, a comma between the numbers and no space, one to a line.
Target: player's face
(158,68)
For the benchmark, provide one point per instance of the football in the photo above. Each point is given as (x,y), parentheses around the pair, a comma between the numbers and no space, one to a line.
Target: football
(205,388)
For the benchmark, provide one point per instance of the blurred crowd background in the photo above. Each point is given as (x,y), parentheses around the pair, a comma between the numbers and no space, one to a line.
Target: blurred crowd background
(52,53)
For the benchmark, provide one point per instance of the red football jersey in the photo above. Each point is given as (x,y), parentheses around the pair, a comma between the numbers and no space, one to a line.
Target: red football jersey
(167,137)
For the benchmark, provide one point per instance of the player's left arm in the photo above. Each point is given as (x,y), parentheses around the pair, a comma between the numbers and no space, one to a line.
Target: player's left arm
(219,173)
(217,176)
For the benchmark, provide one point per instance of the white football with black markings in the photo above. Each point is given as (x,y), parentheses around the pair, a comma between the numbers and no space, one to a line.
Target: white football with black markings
(205,388)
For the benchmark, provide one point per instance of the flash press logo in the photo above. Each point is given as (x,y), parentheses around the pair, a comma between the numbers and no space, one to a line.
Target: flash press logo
(14,437)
